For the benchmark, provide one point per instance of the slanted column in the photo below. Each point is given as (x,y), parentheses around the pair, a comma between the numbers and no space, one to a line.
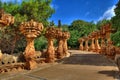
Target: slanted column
(81,44)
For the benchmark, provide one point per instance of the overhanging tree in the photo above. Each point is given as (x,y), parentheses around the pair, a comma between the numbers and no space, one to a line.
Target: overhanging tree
(38,10)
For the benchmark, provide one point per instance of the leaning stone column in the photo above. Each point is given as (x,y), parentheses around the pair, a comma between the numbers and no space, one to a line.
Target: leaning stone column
(30,30)
(66,36)
(81,44)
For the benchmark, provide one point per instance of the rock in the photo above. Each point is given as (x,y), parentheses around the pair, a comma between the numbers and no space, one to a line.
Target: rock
(8,59)
(67,54)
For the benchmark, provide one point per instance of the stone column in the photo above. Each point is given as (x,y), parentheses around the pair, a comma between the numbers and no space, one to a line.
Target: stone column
(65,48)
(81,44)
(60,49)
(50,53)
(103,42)
(92,46)
(108,32)
(50,34)
(30,54)
(97,46)
(66,36)
(108,37)
(86,48)
(103,46)
(86,45)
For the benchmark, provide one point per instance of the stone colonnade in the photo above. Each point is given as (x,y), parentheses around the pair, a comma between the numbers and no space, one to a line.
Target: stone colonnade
(62,49)
(100,42)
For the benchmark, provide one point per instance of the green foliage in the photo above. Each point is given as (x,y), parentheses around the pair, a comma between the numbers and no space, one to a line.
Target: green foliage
(78,29)
(40,43)
(65,27)
(73,41)
(116,19)
(116,38)
(116,24)
(38,10)
(78,24)
(101,23)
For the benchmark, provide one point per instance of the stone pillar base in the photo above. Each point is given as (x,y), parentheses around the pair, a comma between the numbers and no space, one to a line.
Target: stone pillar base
(30,65)
(67,54)
(50,60)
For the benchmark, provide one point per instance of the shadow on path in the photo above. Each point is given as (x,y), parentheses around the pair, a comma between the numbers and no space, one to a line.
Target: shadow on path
(112,73)
(88,59)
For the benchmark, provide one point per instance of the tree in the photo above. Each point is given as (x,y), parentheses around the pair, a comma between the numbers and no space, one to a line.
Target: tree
(101,23)
(116,19)
(38,10)
(116,25)
(79,28)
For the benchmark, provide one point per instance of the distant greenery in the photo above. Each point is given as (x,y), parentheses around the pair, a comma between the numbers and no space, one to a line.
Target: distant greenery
(77,29)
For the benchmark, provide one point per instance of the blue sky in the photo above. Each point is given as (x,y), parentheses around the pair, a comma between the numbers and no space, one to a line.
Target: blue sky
(88,10)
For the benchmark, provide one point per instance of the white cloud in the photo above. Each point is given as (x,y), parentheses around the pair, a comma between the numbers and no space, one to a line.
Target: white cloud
(108,14)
